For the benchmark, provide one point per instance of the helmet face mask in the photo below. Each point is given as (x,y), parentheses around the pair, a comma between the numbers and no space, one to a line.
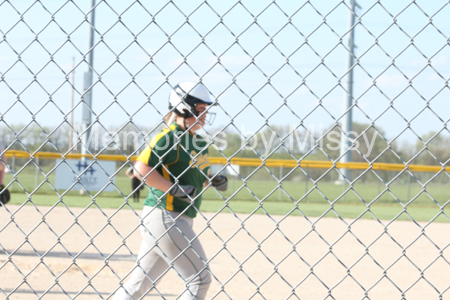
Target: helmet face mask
(184,98)
(210,117)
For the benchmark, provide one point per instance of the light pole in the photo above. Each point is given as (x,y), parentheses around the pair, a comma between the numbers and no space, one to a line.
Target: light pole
(347,120)
(88,81)
(87,86)
(71,104)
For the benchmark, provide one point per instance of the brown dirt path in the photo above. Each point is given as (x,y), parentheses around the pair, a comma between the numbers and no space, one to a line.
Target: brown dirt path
(293,256)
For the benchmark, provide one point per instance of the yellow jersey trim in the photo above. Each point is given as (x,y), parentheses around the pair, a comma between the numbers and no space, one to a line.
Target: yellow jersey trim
(169,198)
(145,157)
(145,154)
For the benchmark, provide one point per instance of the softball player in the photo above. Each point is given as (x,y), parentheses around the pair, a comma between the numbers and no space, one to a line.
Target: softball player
(176,167)
(4,193)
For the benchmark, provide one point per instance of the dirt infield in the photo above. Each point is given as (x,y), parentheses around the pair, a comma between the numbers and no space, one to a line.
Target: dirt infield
(293,260)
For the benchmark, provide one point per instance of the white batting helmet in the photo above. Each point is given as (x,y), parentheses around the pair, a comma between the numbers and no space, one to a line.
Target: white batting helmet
(185,96)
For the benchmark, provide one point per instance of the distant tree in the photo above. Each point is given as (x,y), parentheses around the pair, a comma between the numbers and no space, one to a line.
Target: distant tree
(370,143)
(127,139)
(31,137)
(434,148)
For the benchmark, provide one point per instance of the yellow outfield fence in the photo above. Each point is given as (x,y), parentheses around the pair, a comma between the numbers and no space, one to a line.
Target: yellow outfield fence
(249,162)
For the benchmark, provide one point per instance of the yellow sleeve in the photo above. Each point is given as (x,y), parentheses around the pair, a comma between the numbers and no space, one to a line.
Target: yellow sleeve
(145,155)
(149,156)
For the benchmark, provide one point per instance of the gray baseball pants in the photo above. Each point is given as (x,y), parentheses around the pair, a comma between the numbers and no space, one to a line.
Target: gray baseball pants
(168,240)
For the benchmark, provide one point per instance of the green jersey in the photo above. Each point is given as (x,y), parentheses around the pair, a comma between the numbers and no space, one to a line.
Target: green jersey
(185,158)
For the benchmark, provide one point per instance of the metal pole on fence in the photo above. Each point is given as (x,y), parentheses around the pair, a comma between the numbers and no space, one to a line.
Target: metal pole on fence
(344,186)
(71,104)
(306,183)
(347,120)
(36,172)
(379,187)
(88,80)
(13,168)
(280,194)
(409,188)
(232,184)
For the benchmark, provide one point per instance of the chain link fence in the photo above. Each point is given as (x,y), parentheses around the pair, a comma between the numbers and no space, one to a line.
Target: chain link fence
(277,72)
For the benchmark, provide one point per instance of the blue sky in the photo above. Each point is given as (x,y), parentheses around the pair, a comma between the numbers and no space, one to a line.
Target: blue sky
(295,46)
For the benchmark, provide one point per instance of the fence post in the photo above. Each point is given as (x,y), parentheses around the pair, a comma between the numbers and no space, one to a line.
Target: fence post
(36,172)
(13,167)
(343,189)
(306,183)
(281,176)
(232,184)
(379,186)
(409,188)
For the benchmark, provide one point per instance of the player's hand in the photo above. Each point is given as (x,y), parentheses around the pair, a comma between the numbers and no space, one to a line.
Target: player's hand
(183,192)
(4,195)
(220,182)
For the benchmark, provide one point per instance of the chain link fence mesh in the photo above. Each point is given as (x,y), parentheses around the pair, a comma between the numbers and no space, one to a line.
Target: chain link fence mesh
(276,71)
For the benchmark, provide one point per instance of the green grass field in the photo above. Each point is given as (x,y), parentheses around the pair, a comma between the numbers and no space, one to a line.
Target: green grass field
(247,198)
(309,209)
